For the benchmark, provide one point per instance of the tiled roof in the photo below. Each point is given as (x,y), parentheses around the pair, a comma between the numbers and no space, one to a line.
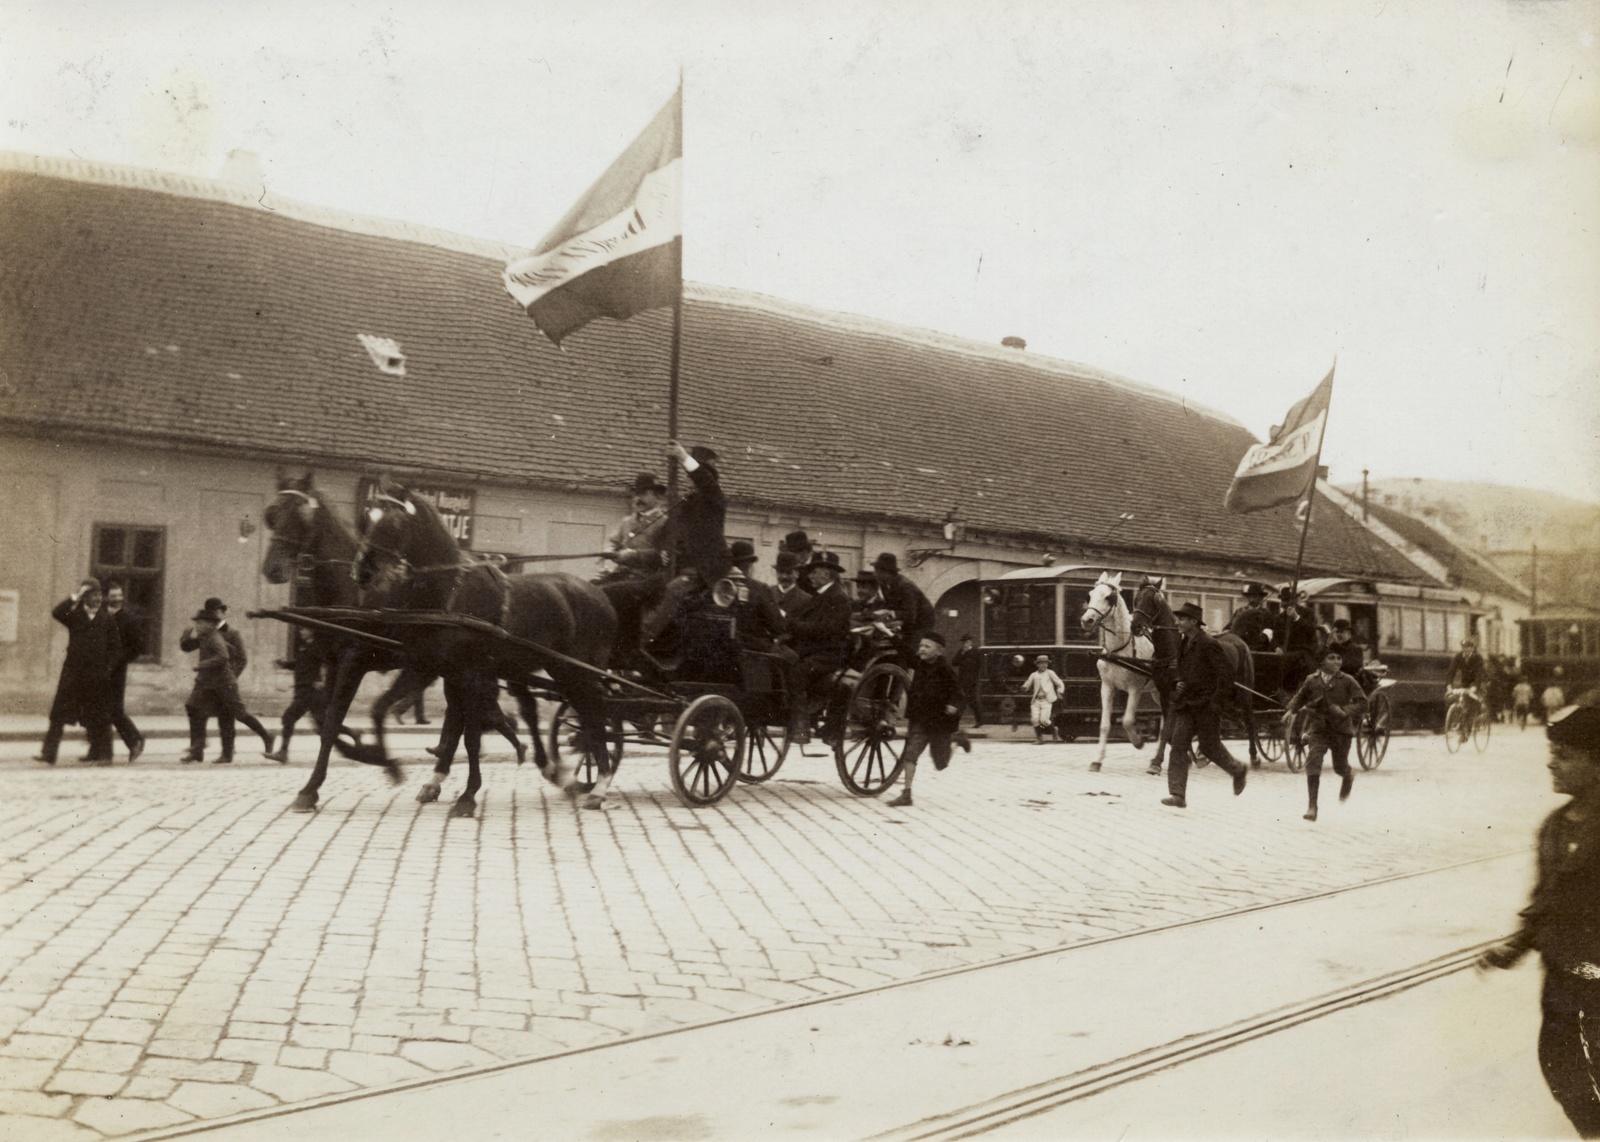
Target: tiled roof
(1473,572)
(166,314)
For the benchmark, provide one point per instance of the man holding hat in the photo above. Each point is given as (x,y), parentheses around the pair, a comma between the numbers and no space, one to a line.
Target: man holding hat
(635,544)
(84,691)
(820,638)
(1352,655)
(1562,920)
(1203,673)
(216,685)
(1253,622)
(758,621)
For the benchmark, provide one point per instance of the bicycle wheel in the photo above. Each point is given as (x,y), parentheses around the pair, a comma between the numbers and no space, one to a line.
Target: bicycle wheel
(1481,727)
(1455,728)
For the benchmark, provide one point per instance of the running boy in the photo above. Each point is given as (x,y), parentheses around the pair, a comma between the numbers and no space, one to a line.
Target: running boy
(1045,687)
(1333,702)
(933,711)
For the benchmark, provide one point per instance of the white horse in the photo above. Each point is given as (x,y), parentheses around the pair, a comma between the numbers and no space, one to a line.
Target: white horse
(1107,615)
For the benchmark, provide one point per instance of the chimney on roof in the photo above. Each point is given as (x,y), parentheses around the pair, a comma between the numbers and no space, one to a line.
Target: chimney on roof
(243,170)
(1013,343)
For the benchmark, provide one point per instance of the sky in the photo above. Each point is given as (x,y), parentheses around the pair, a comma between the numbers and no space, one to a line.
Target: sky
(1219,199)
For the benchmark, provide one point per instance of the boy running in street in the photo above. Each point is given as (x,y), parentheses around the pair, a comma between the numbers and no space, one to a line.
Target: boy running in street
(933,706)
(1333,702)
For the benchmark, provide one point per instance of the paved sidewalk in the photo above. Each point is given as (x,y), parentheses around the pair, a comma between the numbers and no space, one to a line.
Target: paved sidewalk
(175,946)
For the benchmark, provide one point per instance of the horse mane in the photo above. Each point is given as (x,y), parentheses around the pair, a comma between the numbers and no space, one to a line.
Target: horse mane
(436,546)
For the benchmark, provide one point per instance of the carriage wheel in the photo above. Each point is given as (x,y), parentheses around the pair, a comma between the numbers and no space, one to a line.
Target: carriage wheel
(763,755)
(1269,737)
(1373,740)
(1294,743)
(567,740)
(1455,727)
(1480,730)
(868,752)
(707,750)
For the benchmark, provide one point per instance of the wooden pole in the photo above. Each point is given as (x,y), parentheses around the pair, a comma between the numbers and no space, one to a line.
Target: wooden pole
(1311,494)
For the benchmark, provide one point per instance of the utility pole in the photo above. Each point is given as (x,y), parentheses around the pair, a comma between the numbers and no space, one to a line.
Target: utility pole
(1363,495)
(1533,585)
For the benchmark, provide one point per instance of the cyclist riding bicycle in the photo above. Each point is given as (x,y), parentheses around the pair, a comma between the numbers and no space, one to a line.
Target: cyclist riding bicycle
(1467,674)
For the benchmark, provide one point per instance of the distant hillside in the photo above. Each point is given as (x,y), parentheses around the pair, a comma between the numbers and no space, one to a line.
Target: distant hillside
(1494,518)
(1504,523)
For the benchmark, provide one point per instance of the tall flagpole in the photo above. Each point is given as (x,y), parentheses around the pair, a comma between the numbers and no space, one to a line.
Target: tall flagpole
(672,380)
(1311,492)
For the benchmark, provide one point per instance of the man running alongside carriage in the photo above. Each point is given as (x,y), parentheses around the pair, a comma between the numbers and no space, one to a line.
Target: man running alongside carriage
(1203,675)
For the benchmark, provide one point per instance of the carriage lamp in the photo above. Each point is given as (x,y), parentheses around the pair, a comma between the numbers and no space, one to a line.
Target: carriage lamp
(247,528)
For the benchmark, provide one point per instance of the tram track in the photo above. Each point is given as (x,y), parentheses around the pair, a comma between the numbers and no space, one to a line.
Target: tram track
(1039,1098)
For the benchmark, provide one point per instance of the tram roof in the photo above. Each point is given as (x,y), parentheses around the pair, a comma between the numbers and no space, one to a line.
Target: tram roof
(169,311)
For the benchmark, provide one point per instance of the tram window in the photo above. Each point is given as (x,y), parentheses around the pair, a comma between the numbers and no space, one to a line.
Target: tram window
(1455,629)
(1533,635)
(1389,627)
(1433,631)
(1020,614)
(1177,599)
(1411,628)
(1218,612)
(1591,639)
(1074,599)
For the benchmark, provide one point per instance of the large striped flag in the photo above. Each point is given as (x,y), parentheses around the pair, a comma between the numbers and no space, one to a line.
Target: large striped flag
(619,250)
(1283,469)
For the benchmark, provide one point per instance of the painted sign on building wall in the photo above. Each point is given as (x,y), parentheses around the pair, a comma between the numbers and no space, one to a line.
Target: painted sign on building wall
(456,506)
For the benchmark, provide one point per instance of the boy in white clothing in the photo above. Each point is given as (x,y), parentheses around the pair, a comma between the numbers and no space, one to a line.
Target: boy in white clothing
(1044,687)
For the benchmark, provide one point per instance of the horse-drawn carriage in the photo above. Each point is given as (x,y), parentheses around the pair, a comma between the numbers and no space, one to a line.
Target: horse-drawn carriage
(405,595)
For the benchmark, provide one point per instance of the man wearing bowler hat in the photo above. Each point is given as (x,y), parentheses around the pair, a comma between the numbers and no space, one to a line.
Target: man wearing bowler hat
(84,691)
(1253,622)
(758,620)
(1203,674)
(1562,920)
(216,685)
(699,546)
(907,601)
(636,543)
(820,637)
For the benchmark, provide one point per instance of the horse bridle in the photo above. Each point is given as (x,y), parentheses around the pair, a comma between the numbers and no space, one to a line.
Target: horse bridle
(305,561)
(1100,620)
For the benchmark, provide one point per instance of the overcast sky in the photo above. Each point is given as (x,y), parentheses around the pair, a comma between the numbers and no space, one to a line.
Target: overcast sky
(1214,198)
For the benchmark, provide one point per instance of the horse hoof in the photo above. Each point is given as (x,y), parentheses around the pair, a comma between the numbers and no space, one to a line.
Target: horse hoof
(392,772)
(429,792)
(1136,738)
(593,801)
(1094,767)
(464,809)
(305,803)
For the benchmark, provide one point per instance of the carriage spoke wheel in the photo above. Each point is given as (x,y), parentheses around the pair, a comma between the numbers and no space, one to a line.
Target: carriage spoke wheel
(569,745)
(763,754)
(707,750)
(1373,741)
(1480,730)
(868,752)
(1294,743)
(1269,736)
(1455,727)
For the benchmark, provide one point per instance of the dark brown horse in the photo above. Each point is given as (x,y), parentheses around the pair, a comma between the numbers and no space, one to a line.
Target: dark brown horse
(313,547)
(411,557)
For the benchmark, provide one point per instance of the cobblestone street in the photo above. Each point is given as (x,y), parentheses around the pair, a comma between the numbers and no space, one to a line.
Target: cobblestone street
(175,944)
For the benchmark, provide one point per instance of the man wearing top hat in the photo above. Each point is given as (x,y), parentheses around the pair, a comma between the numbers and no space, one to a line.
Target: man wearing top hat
(1253,622)
(820,637)
(84,691)
(1203,674)
(636,543)
(1562,919)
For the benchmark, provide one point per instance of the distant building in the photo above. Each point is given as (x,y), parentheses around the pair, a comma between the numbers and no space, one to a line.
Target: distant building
(167,343)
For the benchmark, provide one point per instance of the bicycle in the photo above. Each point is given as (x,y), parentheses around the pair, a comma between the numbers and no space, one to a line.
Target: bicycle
(1465,717)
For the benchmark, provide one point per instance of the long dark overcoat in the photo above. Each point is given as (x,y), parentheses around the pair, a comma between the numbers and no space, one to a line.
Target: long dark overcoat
(83,694)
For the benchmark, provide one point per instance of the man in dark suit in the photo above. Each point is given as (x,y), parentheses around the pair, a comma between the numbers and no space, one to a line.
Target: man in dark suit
(907,601)
(130,645)
(1562,920)
(83,694)
(820,638)
(1203,674)
(699,545)
(968,665)
(1253,622)
(758,618)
